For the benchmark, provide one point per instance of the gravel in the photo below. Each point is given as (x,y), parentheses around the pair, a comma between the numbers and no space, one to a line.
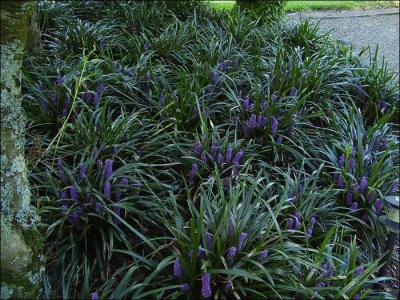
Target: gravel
(361,28)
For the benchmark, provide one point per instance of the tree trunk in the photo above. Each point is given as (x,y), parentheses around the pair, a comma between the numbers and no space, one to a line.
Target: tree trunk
(21,242)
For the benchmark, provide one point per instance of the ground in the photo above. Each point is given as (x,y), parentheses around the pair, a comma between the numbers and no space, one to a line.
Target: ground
(376,27)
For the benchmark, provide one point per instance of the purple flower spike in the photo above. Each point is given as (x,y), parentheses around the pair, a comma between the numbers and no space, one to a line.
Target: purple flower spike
(228,154)
(341,161)
(118,196)
(214,76)
(185,287)
(297,220)
(99,207)
(378,206)
(274,125)
(193,172)
(242,238)
(177,268)
(356,296)
(363,184)
(252,122)
(290,223)
(67,103)
(238,156)
(99,164)
(230,229)
(340,182)
(359,271)
(200,252)
(60,80)
(320,284)
(95,295)
(63,195)
(197,149)
(209,240)
(309,231)
(279,140)
(203,157)
(214,150)
(83,171)
(206,285)
(109,168)
(59,163)
(352,164)
(102,43)
(246,103)
(107,190)
(117,211)
(124,182)
(231,252)
(221,159)
(162,98)
(349,198)
(229,285)
(263,105)
(64,209)
(73,191)
(263,255)
(354,206)
(54,100)
(395,186)
(43,105)
(74,218)
(312,221)
(365,217)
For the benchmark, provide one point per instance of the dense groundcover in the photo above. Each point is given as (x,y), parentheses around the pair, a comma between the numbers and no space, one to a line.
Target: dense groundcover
(203,154)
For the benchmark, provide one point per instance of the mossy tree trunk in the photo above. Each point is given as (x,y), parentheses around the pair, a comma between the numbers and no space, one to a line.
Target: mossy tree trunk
(21,263)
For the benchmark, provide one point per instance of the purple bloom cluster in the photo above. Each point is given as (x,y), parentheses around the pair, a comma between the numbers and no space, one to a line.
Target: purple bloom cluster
(109,168)
(229,285)
(107,190)
(97,96)
(254,122)
(294,223)
(359,271)
(95,295)
(206,285)
(363,184)
(354,206)
(102,43)
(60,80)
(193,173)
(263,255)
(378,206)
(231,252)
(177,268)
(209,240)
(99,207)
(185,287)
(339,181)
(73,191)
(311,226)
(216,154)
(74,218)
(231,228)
(242,239)
(83,171)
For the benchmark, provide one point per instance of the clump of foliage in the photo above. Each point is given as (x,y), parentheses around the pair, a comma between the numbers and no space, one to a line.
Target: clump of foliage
(182,152)
(268,10)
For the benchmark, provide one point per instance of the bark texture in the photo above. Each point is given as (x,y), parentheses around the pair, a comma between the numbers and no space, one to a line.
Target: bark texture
(21,264)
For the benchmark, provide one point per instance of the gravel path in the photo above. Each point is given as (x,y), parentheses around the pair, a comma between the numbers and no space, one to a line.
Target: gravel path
(378,27)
